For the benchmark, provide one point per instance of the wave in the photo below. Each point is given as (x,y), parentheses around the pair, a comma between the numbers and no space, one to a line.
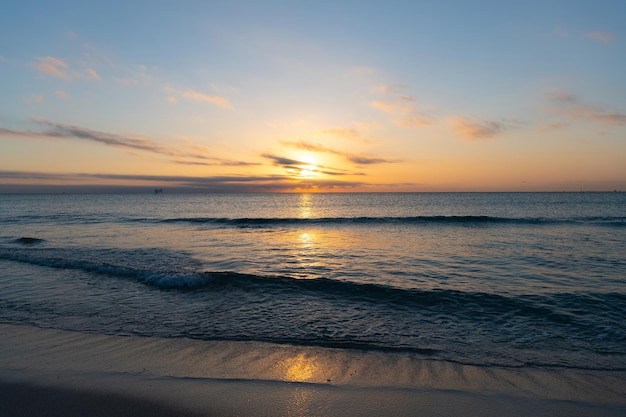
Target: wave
(564,308)
(28,241)
(268,222)
(496,328)
(411,220)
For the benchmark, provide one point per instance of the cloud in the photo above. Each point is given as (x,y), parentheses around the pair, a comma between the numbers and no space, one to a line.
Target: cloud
(60,69)
(368,160)
(604,37)
(61,94)
(477,130)
(25,181)
(53,130)
(3,59)
(359,159)
(193,95)
(93,74)
(282,161)
(571,106)
(296,167)
(53,66)
(404,114)
(218,162)
(86,182)
(60,130)
(197,96)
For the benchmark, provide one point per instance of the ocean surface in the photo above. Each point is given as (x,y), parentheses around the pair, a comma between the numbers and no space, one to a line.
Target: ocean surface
(492,279)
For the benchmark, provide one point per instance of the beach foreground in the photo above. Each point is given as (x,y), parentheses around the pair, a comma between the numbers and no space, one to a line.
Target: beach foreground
(62,373)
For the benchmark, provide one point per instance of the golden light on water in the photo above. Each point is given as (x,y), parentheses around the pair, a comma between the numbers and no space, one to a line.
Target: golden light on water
(306,238)
(300,368)
(305,209)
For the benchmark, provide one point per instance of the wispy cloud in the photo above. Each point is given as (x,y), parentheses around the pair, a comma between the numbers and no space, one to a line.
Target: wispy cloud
(218,162)
(52,66)
(470,129)
(3,59)
(53,130)
(93,74)
(296,167)
(358,159)
(60,69)
(197,96)
(604,37)
(193,95)
(29,181)
(571,106)
(88,182)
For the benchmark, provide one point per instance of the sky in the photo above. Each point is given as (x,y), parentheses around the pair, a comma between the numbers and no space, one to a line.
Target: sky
(305,96)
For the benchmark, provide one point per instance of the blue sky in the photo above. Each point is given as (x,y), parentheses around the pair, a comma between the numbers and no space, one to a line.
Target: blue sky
(313,96)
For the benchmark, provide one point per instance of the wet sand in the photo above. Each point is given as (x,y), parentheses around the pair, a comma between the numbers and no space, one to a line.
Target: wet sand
(63,373)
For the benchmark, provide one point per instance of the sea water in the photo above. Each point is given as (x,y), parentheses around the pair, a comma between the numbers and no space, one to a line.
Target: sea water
(492,279)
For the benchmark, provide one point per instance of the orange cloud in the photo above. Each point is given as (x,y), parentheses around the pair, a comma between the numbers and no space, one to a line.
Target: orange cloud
(60,69)
(197,96)
(53,66)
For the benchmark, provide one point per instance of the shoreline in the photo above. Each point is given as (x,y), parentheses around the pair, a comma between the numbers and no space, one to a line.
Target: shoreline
(103,375)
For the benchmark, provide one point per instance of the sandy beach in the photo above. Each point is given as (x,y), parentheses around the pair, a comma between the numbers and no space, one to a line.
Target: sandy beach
(62,373)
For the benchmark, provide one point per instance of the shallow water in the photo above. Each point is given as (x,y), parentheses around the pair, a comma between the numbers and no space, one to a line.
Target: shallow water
(478,278)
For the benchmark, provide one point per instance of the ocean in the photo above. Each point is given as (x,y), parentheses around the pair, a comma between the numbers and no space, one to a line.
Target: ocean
(489,279)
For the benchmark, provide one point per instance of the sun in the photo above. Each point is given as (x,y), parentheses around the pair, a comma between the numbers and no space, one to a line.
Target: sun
(309,167)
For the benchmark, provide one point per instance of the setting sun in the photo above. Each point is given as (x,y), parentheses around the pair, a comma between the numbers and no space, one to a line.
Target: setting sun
(309,167)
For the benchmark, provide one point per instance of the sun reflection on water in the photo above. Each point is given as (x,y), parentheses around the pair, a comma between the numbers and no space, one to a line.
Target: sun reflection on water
(300,368)
(305,206)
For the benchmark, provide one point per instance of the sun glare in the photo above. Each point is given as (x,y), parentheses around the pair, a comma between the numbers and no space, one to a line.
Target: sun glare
(309,167)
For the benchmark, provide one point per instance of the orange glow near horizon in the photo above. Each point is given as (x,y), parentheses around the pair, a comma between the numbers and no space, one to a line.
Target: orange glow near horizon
(306,113)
